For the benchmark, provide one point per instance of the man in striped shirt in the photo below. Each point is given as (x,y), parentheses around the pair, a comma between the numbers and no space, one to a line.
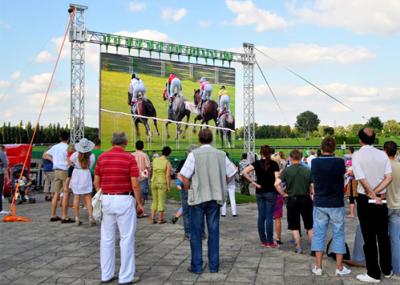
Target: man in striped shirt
(117,174)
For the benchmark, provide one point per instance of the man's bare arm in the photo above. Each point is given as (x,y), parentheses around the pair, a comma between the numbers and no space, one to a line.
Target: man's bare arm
(185,181)
(96,183)
(384,183)
(367,188)
(136,189)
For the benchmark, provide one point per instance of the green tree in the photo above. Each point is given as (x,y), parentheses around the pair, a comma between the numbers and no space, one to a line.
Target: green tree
(307,122)
(375,123)
(329,131)
(354,129)
(391,128)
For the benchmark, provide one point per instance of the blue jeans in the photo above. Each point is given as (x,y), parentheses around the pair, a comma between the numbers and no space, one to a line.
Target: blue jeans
(266,206)
(394,233)
(144,187)
(185,212)
(358,247)
(211,211)
(323,217)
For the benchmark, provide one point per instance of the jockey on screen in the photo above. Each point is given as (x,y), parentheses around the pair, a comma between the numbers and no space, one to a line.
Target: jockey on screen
(205,91)
(224,102)
(136,86)
(172,87)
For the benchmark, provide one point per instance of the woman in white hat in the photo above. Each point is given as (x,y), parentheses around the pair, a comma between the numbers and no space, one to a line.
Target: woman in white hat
(81,180)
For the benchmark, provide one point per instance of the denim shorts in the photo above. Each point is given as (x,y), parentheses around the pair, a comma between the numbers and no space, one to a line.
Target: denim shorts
(323,217)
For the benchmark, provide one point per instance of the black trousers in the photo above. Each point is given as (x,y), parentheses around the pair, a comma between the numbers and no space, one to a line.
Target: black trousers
(374,227)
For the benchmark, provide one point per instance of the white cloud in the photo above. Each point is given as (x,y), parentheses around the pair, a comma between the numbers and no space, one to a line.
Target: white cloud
(359,16)
(136,6)
(16,75)
(204,24)
(146,34)
(36,83)
(4,84)
(173,14)
(44,56)
(305,54)
(247,13)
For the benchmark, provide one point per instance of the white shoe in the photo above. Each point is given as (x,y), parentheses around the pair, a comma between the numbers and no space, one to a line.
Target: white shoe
(343,272)
(4,213)
(389,276)
(366,278)
(317,271)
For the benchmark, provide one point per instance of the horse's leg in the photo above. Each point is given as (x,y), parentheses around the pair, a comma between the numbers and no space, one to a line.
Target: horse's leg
(229,139)
(155,125)
(137,128)
(146,125)
(166,126)
(187,121)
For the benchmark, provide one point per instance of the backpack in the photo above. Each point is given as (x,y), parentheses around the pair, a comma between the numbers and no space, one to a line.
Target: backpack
(346,256)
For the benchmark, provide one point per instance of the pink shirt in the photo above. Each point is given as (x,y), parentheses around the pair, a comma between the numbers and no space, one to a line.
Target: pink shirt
(143,163)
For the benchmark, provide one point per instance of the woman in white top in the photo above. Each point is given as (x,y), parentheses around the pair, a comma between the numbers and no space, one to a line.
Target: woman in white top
(81,181)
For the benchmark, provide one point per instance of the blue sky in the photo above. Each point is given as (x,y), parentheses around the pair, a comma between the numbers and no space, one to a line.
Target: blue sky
(349,48)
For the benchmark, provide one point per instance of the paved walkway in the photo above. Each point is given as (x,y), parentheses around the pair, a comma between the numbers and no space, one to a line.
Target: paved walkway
(51,253)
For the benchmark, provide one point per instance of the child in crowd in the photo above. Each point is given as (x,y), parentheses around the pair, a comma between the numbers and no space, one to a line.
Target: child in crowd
(81,179)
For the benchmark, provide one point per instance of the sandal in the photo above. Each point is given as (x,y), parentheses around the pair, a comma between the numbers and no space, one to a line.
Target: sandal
(67,221)
(55,219)
(160,222)
(152,221)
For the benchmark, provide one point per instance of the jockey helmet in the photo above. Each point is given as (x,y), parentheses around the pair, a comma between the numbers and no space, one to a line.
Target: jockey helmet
(202,79)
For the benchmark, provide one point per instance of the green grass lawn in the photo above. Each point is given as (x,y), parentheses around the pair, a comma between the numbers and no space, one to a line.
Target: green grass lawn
(240,198)
(114,89)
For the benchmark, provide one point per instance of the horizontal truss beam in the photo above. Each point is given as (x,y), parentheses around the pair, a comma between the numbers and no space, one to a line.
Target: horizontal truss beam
(162,47)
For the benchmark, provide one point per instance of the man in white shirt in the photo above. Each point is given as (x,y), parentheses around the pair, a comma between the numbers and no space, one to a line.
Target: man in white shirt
(58,155)
(310,158)
(209,170)
(373,171)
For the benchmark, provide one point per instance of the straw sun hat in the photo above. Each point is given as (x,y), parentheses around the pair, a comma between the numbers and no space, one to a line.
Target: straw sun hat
(84,146)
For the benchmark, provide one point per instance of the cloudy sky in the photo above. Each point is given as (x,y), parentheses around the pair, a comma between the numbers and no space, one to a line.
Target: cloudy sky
(349,48)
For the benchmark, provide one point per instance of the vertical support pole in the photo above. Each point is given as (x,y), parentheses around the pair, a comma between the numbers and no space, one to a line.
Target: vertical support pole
(77,37)
(249,144)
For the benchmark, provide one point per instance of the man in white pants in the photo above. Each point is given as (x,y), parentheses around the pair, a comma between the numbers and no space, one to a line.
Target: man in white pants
(231,191)
(116,174)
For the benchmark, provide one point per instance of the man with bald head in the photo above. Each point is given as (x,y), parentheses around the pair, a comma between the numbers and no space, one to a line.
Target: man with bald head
(373,171)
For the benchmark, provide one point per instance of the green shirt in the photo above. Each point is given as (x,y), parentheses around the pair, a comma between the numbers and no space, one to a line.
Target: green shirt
(96,153)
(159,171)
(298,179)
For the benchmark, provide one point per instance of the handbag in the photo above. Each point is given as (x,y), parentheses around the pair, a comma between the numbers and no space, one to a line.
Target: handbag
(96,203)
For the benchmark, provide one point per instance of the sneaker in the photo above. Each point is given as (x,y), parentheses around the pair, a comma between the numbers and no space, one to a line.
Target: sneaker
(174,220)
(366,278)
(317,271)
(272,245)
(298,250)
(343,272)
(4,212)
(389,275)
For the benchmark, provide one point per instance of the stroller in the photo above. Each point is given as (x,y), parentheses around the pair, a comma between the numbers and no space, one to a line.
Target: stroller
(24,185)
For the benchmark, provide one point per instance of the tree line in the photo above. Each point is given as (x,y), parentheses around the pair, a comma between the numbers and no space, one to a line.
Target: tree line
(308,125)
(22,133)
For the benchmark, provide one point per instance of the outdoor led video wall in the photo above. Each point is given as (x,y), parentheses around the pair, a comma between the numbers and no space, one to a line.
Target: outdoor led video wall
(115,77)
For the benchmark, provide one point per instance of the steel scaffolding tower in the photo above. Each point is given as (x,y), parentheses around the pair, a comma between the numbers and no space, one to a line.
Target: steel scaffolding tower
(248,100)
(79,35)
(77,38)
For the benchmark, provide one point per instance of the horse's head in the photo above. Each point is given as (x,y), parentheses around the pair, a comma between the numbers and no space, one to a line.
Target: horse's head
(139,105)
(196,96)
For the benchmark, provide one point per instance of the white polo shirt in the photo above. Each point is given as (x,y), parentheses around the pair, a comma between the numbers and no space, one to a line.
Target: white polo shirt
(371,164)
(59,154)
(188,168)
